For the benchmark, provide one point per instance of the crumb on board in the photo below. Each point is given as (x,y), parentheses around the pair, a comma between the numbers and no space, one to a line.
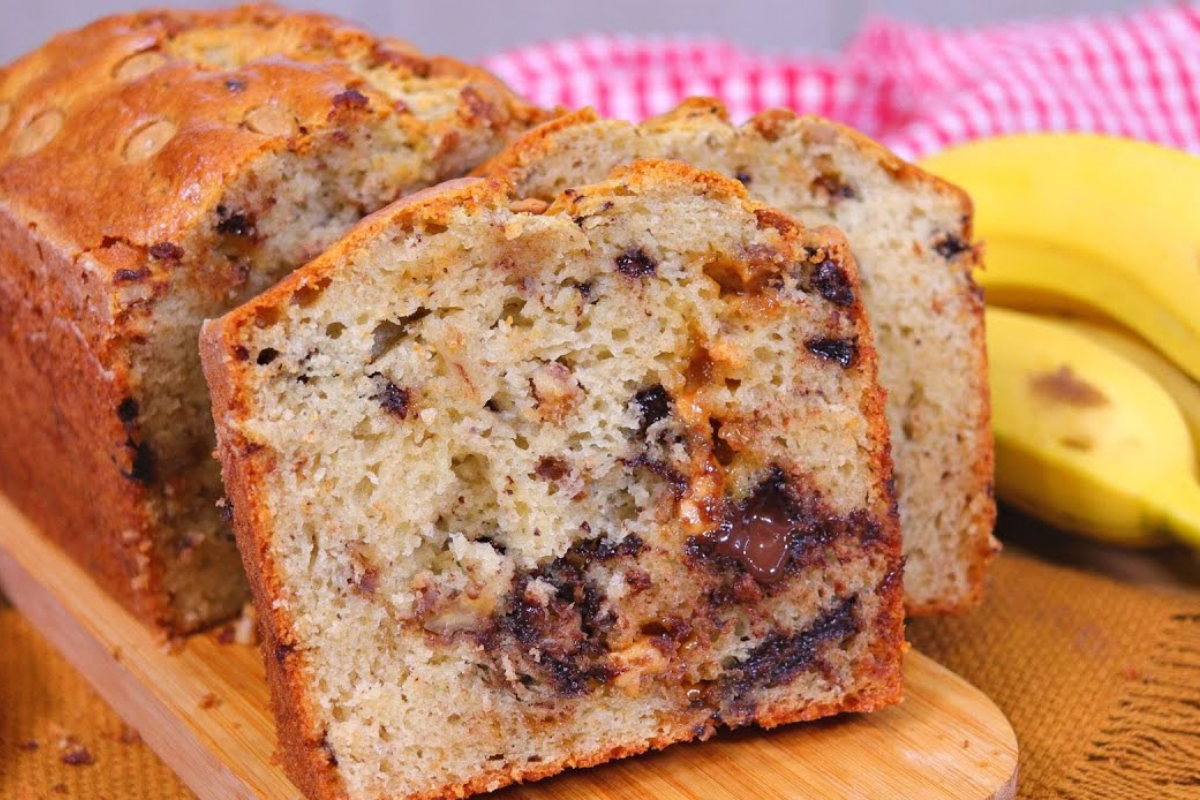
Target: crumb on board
(173,645)
(128,735)
(75,754)
(209,701)
(243,630)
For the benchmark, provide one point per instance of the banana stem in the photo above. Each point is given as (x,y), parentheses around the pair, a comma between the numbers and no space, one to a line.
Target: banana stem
(1183,512)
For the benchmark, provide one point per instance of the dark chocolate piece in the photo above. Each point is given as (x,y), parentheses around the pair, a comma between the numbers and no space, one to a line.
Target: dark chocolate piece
(843,351)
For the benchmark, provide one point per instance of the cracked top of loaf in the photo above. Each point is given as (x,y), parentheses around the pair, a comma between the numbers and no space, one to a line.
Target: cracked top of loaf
(116,138)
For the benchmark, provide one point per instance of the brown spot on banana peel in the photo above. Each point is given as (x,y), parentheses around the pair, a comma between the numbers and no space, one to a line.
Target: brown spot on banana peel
(1064,386)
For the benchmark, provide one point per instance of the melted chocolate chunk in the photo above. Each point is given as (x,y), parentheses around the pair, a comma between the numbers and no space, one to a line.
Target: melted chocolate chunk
(771,534)
(235,85)
(563,637)
(743,176)
(636,264)
(266,356)
(653,404)
(395,400)
(234,223)
(781,656)
(843,351)
(949,246)
(830,280)
(756,533)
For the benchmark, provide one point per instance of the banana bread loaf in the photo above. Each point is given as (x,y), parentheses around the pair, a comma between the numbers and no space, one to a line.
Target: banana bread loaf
(157,169)
(911,237)
(524,488)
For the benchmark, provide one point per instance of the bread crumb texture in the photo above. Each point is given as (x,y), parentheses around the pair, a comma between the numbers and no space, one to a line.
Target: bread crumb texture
(157,169)
(536,488)
(910,234)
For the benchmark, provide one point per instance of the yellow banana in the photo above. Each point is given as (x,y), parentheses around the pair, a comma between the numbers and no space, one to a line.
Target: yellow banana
(1085,439)
(1078,222)
(1183,390)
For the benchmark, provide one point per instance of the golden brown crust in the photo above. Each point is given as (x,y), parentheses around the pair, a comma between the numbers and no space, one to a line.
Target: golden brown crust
(534,144)
(978,547)
(87,182)
(65,457)
(246,463)
(115,139)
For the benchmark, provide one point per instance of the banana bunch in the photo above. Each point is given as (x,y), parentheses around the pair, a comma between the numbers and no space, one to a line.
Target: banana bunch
(1093,328)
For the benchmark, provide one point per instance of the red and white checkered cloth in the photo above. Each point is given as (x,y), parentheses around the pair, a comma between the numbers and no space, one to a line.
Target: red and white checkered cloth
(917,89)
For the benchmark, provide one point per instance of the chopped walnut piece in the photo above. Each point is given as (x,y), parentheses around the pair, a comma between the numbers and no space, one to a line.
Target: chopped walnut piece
(528,205)
(555,391)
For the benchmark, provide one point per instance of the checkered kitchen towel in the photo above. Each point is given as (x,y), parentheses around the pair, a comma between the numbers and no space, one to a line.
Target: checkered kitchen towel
(917,89)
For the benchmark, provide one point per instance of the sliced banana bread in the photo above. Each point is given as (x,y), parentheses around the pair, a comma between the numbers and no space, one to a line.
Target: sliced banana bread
(910,234)
(524,488)
(157,169)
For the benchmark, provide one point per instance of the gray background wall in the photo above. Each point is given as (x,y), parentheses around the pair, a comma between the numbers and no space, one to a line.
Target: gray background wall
(472,29)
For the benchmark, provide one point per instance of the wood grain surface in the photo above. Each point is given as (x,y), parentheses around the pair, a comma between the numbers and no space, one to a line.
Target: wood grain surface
(204,710)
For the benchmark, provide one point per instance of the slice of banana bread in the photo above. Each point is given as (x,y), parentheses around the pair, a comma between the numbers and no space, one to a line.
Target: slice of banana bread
(157,169)
(910,234)
(524,488)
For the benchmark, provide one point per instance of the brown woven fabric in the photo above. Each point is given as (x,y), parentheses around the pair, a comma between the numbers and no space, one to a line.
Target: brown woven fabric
(49,716)
(1101,682)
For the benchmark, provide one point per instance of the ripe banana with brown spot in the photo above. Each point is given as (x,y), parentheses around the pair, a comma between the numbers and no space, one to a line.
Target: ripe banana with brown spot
(1183,390)
(1085,438)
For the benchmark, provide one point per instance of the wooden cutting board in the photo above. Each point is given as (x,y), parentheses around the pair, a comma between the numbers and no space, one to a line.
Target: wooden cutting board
(204,710)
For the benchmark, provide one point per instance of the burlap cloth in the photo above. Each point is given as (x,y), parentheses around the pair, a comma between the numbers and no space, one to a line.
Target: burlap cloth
(1100,680)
